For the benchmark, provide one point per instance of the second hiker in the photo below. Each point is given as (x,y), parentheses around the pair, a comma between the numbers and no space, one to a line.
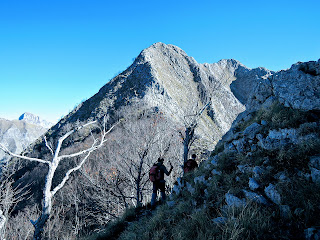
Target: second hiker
(191,164)
(157,177)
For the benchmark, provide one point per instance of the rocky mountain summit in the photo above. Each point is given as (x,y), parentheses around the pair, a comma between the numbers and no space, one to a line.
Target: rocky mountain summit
(35,120)
(16,135)
(166,78)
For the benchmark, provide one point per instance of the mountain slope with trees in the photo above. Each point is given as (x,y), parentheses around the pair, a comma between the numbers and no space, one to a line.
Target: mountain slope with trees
(154,102)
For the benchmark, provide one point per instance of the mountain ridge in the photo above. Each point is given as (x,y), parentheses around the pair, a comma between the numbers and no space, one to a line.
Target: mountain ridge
(166,81)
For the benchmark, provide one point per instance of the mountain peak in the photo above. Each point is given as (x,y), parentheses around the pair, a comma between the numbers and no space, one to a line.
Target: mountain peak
(33,119)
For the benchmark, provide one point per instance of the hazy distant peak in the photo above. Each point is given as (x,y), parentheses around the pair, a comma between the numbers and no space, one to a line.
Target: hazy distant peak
(36,120)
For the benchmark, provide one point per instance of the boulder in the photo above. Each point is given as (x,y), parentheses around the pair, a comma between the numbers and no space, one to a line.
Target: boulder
(239,145)
(244,168)
(233,201)
(273,194)
(315,162)
(251,131)
(253,184)
(255,197)
(216,172)
(312,234)
(258,171)
(285,211)
(315,175)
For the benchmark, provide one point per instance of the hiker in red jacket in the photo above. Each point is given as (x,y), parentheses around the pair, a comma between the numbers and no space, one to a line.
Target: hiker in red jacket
(191,164)
(158,181)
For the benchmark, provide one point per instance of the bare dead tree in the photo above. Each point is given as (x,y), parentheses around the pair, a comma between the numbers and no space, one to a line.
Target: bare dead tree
(140,141)
(48,192)
(10,196)
(190,122)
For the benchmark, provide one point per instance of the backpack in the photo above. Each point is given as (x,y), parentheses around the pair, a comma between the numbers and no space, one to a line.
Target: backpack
(154,173)
(189,166)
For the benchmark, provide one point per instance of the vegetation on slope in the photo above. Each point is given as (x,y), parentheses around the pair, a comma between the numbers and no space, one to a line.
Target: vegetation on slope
(198,210)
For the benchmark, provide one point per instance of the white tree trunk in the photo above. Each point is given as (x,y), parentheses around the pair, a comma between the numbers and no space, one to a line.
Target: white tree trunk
(48,194)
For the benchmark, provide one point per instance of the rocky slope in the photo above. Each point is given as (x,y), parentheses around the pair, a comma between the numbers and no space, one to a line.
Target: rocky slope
(261,182)
(18,134)
(165,77)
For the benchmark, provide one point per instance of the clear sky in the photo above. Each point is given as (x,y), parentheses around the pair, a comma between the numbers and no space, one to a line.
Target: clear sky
(56,53)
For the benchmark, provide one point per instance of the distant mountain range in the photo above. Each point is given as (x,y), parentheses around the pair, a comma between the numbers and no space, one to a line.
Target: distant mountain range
(16,135)
(35,120)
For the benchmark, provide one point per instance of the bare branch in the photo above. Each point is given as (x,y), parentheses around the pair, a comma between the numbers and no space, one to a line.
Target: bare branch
(92,148)
(45,140)
(3,219)
(6,150)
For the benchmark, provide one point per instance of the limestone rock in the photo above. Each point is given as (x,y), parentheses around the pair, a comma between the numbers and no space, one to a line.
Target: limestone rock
(215,172)
(285,211)
(315,175)
(315,162)
(255,197)
(233,201)
(251,131)
(253,184)
(273,194)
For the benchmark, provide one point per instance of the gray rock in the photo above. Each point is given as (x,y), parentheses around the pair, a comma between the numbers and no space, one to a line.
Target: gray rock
(214,160)
(298,212)
(229,147)
(285,211)
(297,88)
(312,233)
(315,162)
(176,189)
(251,131)
(200,179)
(315,175)
(216,172)
(190,188)
(281,176)
(240,145)
(233,201)
(244,168)
(255,197)
(206,193)
(253,184)
(273,194)
(258,171)
(253,147)
(264,122)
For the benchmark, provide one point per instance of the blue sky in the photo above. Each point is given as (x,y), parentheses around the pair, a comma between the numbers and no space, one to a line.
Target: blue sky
(55,54)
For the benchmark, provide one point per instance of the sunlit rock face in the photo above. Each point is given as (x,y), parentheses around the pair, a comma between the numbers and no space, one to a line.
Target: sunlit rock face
(16,135)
